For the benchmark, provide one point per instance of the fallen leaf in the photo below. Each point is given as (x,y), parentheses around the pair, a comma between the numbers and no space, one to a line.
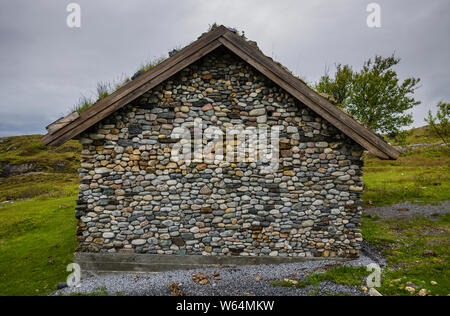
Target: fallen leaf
(175,289)
(200,278)
(293,282)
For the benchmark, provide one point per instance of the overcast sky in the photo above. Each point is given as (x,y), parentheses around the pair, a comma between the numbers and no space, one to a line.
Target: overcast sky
(45,66)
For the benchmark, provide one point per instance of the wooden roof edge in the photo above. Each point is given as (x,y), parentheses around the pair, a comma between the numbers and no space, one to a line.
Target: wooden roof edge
(56,138)
(222,35)
(252,54)
(394,153)
(62,121)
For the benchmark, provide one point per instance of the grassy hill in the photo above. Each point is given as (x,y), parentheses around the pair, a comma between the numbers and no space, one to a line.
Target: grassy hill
(38,187)
(28,169)
(419,135)
(420,176)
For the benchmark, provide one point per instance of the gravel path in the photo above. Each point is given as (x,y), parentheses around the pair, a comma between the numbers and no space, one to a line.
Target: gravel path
(244,280)
(408,210)
(254,280)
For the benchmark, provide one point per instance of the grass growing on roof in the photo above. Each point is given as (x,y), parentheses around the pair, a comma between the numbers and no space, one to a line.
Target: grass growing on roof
(82,104)
(151,63)
(105,88)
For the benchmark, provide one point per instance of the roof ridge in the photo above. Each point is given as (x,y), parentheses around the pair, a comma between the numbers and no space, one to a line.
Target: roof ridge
(222,36)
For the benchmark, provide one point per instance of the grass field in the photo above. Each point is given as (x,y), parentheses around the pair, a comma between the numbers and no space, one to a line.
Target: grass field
(419,135)
(37,230)
(418,254)
(37,241)
(354,276)
(419,175)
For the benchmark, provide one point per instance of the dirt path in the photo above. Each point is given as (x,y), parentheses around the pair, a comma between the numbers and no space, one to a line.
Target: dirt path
(408,210)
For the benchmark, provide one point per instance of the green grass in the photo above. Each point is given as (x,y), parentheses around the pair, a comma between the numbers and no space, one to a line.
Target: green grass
(421,176)
(407,246)
(105,88)
(101,291)
(38,185)
(150,64)
(83,104)
(419,135)
(37,241)
(417,252)
(353,276)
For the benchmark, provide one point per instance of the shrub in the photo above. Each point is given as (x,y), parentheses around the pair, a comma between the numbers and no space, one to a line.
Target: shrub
(440,124)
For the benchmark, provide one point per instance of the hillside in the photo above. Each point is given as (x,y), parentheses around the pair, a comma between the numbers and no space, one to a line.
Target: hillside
(421,174)
(29,169)
(38,187)
(417,136)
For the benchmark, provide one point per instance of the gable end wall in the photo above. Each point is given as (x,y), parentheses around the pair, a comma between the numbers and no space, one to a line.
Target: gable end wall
(134,199)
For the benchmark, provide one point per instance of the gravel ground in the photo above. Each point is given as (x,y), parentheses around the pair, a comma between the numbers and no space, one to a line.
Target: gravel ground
(408,210)
(254,280)
(244,280)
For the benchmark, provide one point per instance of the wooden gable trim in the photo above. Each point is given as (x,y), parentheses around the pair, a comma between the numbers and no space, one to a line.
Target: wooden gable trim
(320,105)
(137,87)
(206,44)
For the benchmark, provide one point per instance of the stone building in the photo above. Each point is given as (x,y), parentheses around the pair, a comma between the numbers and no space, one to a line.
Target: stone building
(139,208)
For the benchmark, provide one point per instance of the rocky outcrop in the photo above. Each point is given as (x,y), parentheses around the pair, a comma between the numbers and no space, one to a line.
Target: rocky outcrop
(19,169)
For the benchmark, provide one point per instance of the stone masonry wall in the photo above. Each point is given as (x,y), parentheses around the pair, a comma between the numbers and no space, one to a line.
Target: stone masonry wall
(134,199)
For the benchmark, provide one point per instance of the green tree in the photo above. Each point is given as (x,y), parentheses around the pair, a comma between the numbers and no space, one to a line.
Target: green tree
(440,124)
(374,95)
(339,86)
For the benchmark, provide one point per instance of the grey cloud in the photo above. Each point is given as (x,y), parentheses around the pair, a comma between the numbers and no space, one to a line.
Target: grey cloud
(46,66)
